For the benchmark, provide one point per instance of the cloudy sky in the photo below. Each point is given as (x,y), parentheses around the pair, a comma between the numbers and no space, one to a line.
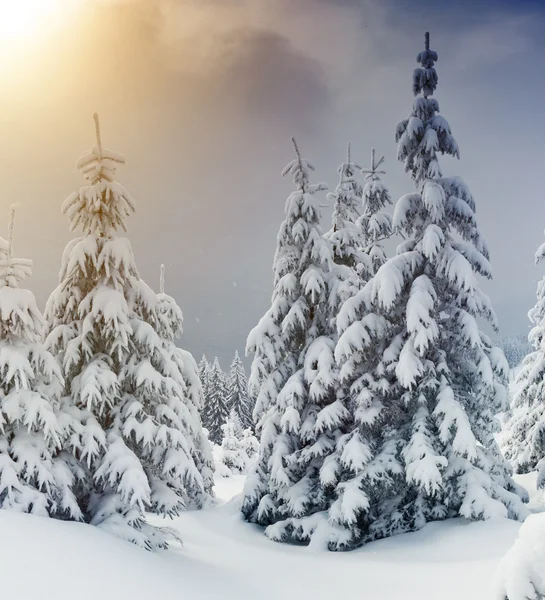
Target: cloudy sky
(202,97)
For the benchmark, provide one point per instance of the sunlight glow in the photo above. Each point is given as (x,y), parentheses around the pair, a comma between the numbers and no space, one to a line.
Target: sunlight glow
(26,18)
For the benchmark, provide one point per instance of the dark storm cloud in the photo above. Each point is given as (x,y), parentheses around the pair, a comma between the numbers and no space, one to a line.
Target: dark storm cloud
(270,79)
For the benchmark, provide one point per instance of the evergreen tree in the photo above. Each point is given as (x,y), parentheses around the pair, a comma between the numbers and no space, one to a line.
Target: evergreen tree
(250,443)
(233,451)
(426,381)
(352,264)
(185,405)
(347,201)
(103,322)
(203,456)
(238,447)
(376,225)
(34,474)
(216,411)
(525,429)
(203,372)
(516,348)
(239,398)
(293,374)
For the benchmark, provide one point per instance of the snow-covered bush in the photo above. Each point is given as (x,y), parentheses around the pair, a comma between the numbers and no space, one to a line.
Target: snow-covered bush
(233,454)
(250,444)
(238,447)
(34,472)
(521,574)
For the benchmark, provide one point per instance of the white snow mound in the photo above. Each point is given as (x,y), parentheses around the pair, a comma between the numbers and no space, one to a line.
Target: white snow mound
(521,574)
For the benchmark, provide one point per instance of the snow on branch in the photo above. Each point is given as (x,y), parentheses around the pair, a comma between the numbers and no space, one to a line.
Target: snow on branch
(300,169)
(13,270)
(101,206)
(425,79)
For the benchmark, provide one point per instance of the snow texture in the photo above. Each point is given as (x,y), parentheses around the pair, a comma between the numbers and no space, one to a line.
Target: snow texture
(224,557)
(521,574)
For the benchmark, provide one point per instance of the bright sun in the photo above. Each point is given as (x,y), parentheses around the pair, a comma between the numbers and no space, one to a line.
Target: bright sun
(25,18)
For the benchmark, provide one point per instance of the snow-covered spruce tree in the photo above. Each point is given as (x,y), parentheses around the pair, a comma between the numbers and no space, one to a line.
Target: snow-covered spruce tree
(103,322)
(427,381)
(203,371)
(185,405)
(352,264)
(347,199)
(293,376)
(34,474)
(376,225)
(239,399)
(203,456)
(216,410)
(525,430)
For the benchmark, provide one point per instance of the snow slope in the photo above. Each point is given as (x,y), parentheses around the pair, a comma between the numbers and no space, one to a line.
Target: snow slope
(223,557)
(449,560)
(54,560)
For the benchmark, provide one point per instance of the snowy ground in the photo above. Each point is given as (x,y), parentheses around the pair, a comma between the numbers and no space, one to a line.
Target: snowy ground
(223,557)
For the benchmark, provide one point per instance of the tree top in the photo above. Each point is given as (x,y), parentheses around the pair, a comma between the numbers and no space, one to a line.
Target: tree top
(372,172)
(428,58)
(13,270)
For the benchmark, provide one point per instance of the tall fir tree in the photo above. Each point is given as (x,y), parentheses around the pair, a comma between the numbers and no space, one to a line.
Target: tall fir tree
(426,380)
(34,473)
(525,429)
(185,405)
(353,266)
(239,399)
(347,202)
(103,322)
(216,409)
(203,457)
(376,225)
(203,372)
(293,375)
